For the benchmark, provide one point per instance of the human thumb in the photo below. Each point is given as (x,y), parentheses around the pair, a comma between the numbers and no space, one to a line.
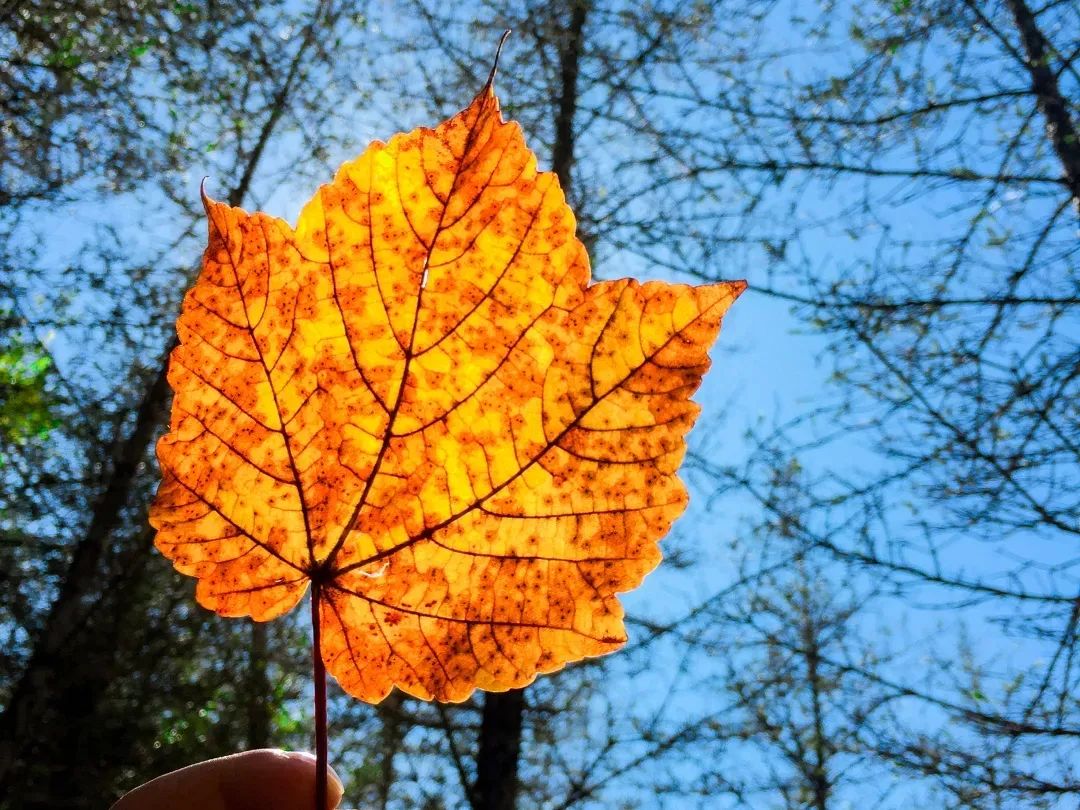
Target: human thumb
(266,779)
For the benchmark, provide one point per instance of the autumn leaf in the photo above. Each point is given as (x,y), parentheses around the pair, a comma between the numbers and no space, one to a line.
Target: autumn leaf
(416,403)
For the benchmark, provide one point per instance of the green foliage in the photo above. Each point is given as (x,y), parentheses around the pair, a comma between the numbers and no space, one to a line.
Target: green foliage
(27,401)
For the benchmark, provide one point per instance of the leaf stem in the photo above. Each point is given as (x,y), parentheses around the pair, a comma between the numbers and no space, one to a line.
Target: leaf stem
(319,668)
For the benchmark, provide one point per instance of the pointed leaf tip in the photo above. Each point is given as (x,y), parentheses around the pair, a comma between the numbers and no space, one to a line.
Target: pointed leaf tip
(495,64)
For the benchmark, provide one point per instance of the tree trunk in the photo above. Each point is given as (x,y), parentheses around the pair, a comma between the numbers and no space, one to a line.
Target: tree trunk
(391,733)
(500,744)
(42,683)
(562,154)
(497,783)
(819,768)
(1059,126)
(47,682)
(259,699)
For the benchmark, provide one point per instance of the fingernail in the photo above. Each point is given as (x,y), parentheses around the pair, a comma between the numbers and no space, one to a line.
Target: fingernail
(335,786)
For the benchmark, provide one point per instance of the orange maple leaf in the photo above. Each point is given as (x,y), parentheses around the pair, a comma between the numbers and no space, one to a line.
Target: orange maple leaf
(416,403)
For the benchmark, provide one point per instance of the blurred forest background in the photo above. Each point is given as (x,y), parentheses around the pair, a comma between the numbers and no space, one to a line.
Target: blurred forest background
(873,601)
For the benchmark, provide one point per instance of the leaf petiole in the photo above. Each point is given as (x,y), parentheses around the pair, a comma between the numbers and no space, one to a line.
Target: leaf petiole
(319,676)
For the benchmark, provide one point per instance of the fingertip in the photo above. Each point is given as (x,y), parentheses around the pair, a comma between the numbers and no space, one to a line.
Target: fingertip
(335,790)
(274,778)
